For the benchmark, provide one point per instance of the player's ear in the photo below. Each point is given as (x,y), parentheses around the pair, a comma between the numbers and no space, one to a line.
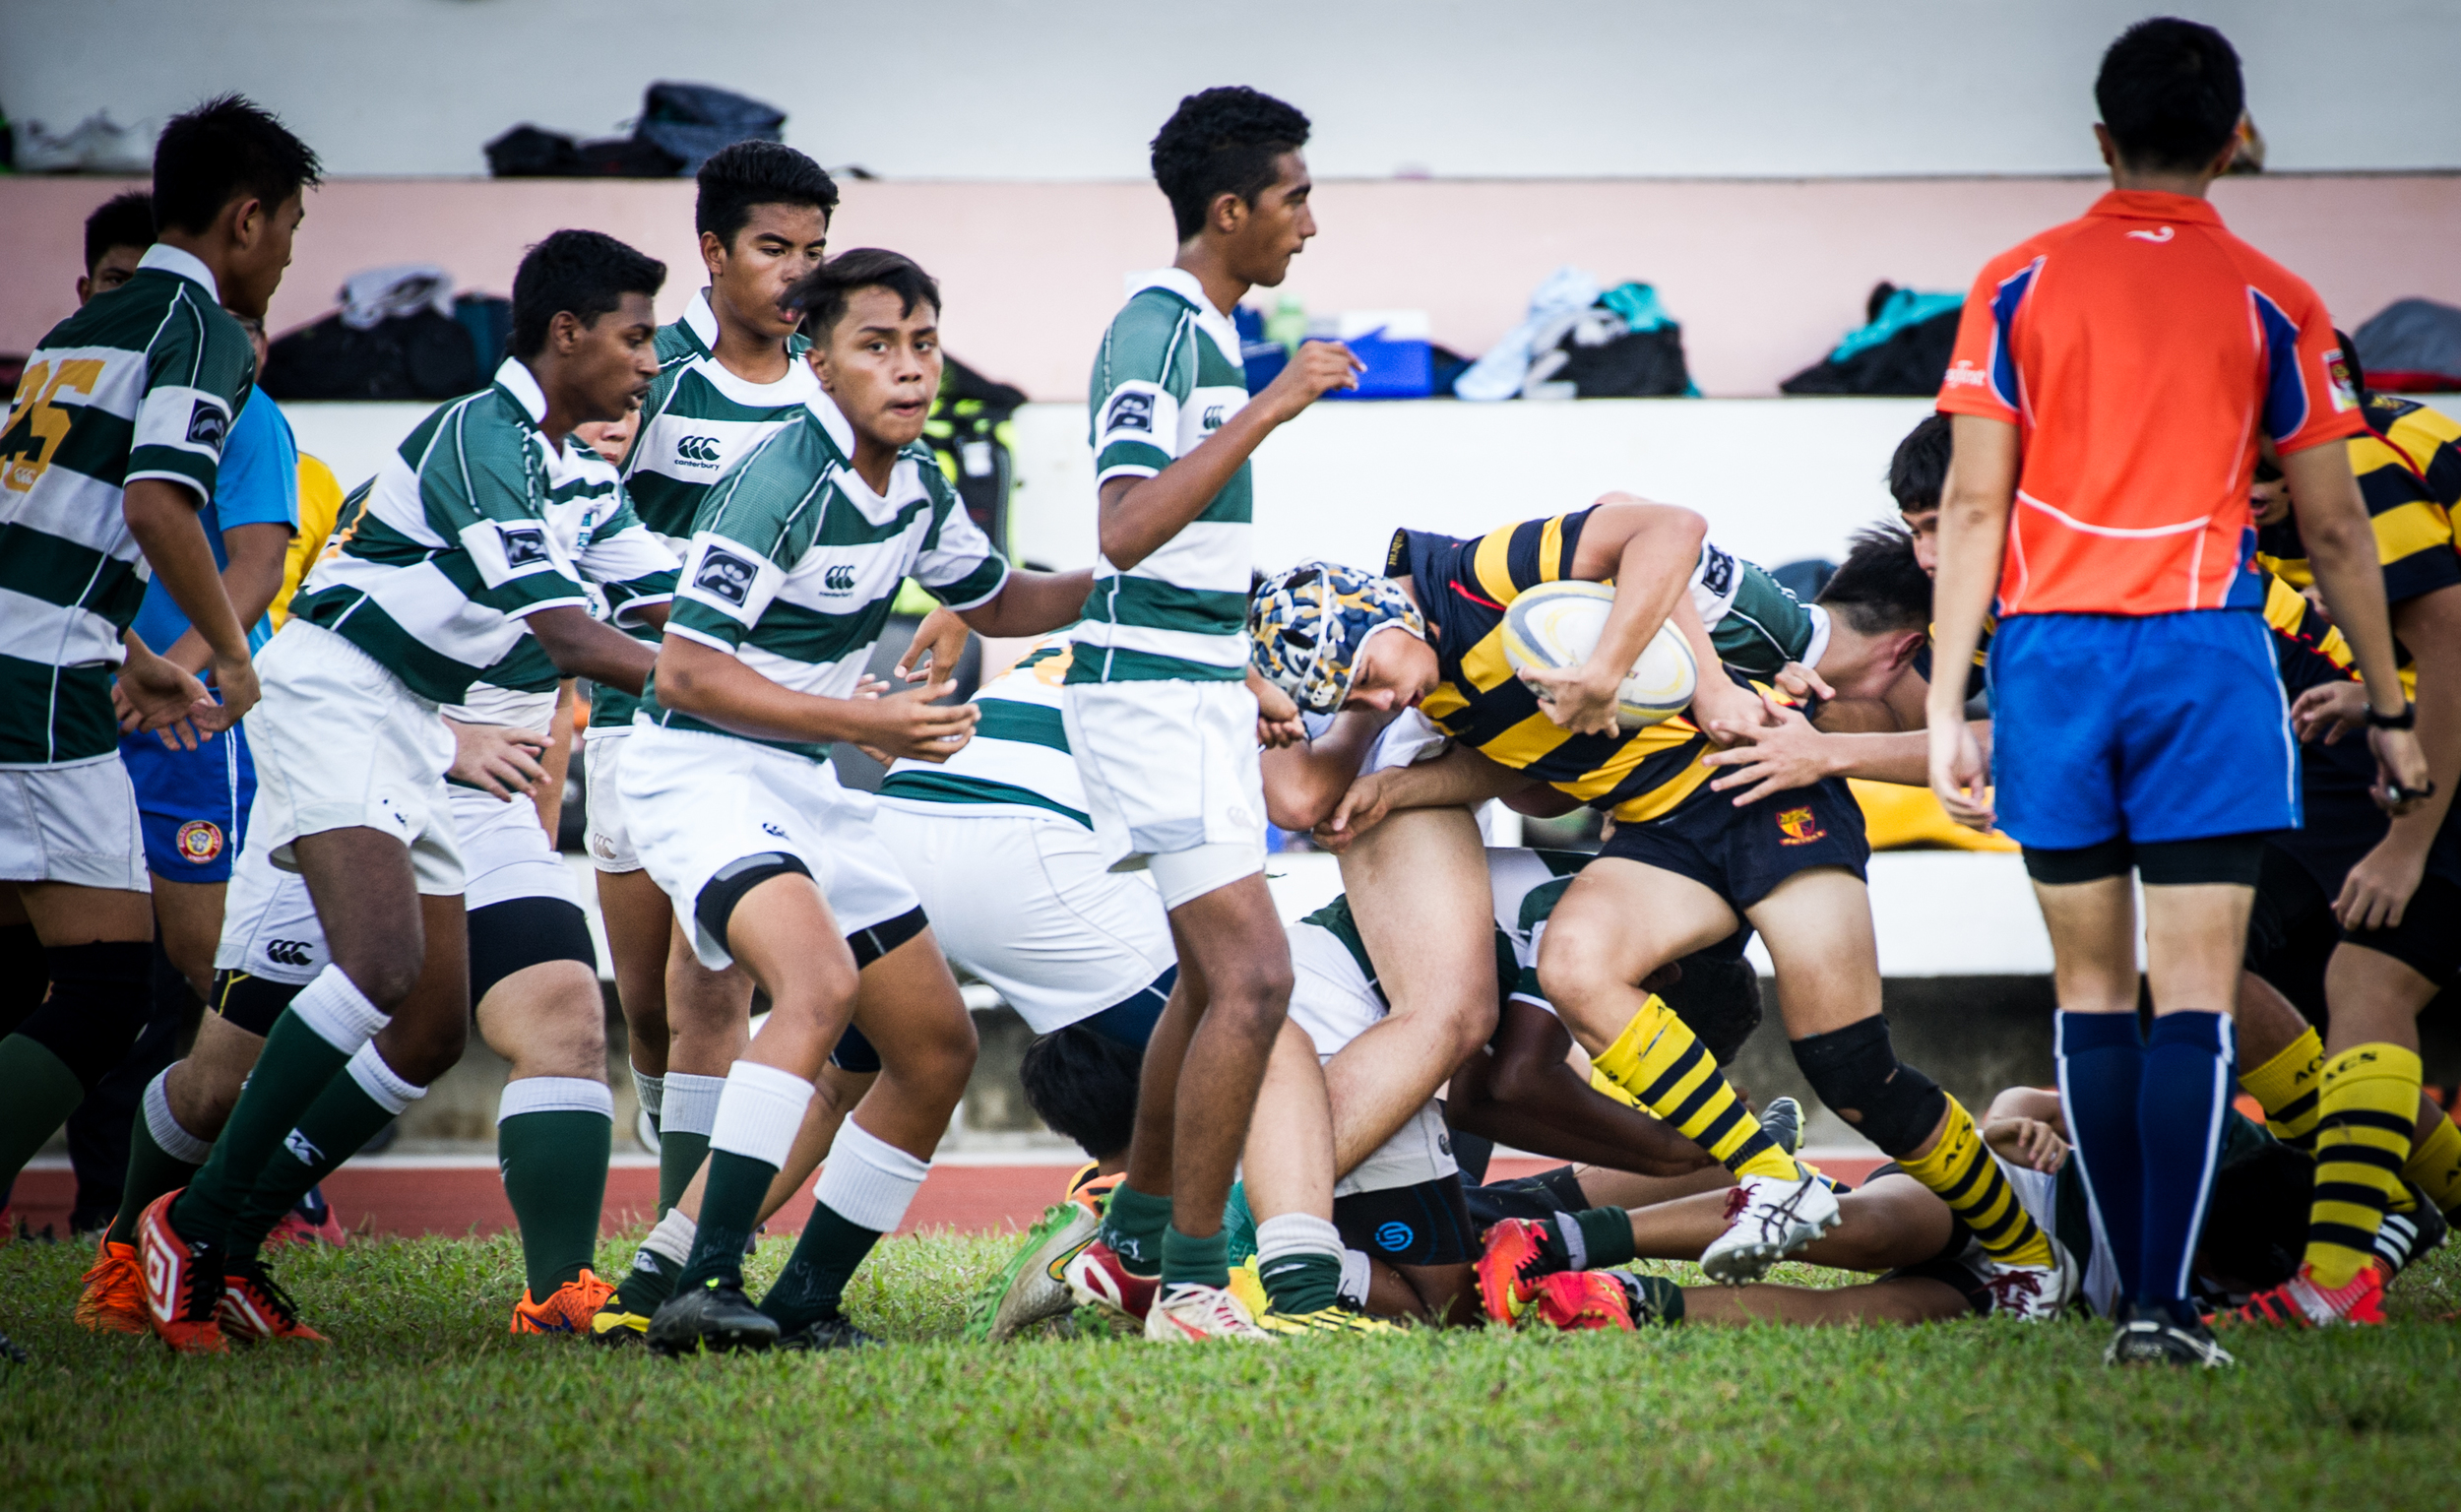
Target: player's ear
(1228,213)
(1908,645)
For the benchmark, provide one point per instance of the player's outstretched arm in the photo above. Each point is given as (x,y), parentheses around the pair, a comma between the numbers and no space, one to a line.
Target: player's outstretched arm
(1974,504)
(1304,782)
(1139,515)
(1792,752)
(253,554)
(715,687)
(2341,551)
(1461,777)
(499,760)
(163,518)
(1031,603)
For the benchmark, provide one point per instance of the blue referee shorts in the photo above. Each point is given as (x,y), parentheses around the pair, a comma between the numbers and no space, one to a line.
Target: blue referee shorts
(2148,729)
(194,805)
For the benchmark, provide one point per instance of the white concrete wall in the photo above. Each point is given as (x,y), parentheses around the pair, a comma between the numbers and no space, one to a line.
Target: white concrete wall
(1072,88)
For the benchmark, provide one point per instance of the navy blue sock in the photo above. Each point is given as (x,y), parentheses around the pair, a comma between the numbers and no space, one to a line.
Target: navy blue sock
(2102,1064)
(2179,1124)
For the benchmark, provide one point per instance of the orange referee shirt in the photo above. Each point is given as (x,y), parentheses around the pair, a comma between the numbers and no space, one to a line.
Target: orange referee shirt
(2140,350)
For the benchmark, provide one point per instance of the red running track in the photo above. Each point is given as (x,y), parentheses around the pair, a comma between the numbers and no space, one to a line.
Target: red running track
(406,1199)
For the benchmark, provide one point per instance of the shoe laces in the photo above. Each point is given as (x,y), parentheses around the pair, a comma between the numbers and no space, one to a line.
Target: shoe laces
(1219,1307)
(1779,1216)
(1736,1200)
(2010,1286)
(268,1292)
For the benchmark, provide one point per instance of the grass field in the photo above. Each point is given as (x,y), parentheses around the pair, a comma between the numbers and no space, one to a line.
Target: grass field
(425,1401)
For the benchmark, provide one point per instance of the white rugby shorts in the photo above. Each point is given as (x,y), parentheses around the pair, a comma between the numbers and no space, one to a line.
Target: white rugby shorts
(608,843)
(76,823)
(1170,768)
(341,744)
(1025,903)
(698,802)
(506,851)
(1330,1000)
(269,923)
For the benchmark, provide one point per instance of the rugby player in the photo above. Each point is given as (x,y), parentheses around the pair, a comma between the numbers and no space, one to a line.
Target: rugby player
(2130,571)
(730,374)
(457,560)
(729,799)
(87,487)
(1163,731)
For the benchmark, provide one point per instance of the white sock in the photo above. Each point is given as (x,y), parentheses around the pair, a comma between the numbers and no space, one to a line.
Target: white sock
(555,1094)
(382,1084)
(339,1012)
(671,1241)
(650,1091)
(868,1181)
(760,1113)
(690,1102)
(1295,1233)
(176,1142)
(1358,1274)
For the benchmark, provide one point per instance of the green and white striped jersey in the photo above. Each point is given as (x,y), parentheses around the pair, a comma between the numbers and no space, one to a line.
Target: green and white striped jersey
(697,419)
(1527,883)
(1755,622)
(795,561)
(1169,376)
(143,382)
(473,524)
(1019,756)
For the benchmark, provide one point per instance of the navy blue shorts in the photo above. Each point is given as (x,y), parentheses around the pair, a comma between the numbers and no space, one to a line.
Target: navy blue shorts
(194,805)
(2148,729)
(1743,853)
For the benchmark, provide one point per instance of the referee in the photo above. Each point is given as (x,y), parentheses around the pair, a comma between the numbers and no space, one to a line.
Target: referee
(2112,380)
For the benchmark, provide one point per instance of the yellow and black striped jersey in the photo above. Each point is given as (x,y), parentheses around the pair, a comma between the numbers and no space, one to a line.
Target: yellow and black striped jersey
(1463,586)
(2306,647)
(2408,467)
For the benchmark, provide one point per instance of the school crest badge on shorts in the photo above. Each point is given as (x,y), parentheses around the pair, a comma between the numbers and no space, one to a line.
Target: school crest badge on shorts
(1801,828)
(200,840)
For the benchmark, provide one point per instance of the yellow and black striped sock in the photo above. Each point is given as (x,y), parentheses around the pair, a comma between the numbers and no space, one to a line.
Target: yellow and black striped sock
(2435,1164)
(2367,1110)
(2286,1088)
(1661,1063)
(1960,1171)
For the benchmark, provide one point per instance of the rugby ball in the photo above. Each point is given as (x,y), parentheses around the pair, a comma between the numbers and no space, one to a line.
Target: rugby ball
(1557,625)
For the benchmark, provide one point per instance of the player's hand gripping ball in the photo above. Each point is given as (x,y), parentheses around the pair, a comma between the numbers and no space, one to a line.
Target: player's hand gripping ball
(1557,625)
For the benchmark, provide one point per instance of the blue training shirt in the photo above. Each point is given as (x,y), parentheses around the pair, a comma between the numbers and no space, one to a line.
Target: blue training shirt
(258,485)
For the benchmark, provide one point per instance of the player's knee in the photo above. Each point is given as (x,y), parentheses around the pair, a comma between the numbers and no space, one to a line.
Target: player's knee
(1575,966)
(423,1046)
(1856,1073)
(384,969)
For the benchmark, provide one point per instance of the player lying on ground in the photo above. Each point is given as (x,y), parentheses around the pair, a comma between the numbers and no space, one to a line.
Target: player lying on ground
(731,803)
(1567,1270)
(1685,868)
(730,374)
(459,565)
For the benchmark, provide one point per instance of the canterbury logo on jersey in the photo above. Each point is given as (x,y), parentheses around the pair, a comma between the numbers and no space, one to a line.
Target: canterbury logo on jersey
(1214,417)
(700,451)
(289,952)
(837,580)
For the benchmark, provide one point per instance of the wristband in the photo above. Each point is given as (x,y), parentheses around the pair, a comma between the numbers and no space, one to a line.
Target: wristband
(2407,719)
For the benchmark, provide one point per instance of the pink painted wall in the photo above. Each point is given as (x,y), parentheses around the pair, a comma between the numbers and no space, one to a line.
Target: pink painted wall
(1765,276)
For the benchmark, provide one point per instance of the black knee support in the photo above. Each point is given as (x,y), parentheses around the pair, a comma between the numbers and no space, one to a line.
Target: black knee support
(24,975)
(522,932)
(717,903)
(1858,1075)
(100,994)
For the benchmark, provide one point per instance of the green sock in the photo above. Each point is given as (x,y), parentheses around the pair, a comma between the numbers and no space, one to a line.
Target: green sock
(37,1093)
(650,1283)
(151,1172)
(679,1157)
(289,1075)
(730,1205)
(554,1167)
(341,1119)
(1194,1262)
(1308,1281)
(1607,1234)
(815,1277)
(1133,1226)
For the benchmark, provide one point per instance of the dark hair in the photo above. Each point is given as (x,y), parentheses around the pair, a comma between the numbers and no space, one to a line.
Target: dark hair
(1084,1085)
(588,273)
(748,173)
(122,220)
(2169,91)
(2349,361)
(1920,469)
(1222,141)
(225,148)
(1880,587)
(823,294)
